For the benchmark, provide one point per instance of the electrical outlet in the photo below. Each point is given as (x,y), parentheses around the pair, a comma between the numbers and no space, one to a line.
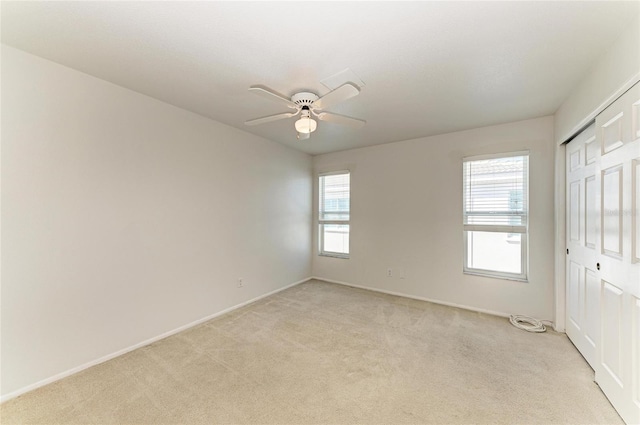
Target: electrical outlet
(389,272)
(240,283)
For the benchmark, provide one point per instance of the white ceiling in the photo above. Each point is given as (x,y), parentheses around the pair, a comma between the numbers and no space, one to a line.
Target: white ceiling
(429,67)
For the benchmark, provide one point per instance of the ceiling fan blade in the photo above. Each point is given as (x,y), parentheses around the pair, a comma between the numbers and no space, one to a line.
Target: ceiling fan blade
(268,93)
(271,118)
(341,119)
(342,93)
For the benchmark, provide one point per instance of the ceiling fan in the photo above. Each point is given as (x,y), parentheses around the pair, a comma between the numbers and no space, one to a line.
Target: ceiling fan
(309,105)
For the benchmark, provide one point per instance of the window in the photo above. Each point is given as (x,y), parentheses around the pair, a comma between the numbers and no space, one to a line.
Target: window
(333,217)
(496,215)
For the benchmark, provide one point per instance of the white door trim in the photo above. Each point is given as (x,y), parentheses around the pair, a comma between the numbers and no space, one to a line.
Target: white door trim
(560,238)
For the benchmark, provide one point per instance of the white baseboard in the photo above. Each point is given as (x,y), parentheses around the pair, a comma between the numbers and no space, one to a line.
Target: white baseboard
(149,341)
(415,297)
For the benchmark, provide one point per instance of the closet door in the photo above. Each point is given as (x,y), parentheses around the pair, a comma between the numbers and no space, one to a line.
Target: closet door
(582,288)
(618,253)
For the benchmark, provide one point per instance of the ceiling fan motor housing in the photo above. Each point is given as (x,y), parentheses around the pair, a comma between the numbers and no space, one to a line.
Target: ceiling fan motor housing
(304,98)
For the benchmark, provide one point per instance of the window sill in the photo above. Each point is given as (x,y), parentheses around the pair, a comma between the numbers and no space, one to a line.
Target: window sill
(342,256)
(496,276)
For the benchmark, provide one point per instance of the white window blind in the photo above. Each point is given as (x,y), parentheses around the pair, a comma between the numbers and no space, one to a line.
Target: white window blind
(495,211)
(334,197)
(334,214)
(495,194)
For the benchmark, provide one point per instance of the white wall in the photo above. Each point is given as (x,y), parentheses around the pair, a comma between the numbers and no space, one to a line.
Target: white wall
(616,71)
(124,218)
(406,212)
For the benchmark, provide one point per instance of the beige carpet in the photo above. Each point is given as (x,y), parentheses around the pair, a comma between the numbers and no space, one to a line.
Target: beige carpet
(324,353)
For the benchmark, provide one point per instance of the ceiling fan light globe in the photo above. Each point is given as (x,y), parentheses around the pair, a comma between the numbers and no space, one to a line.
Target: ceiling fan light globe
(306,125)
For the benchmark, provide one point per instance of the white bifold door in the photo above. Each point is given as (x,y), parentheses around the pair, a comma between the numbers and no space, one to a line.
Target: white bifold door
(603,250)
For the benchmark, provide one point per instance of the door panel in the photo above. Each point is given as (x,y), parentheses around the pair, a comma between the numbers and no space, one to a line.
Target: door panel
(583,286)
(574,211)
(635,353)
(612,133)
(611,331)
(574,160)
(592,149)
(617,253)
(635,214)
(635,113)
(575,285)
(591,304)
(591,210)
(612,211)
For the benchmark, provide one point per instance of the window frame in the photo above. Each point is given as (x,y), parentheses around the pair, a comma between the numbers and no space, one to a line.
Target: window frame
(523,276)
(320,222)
